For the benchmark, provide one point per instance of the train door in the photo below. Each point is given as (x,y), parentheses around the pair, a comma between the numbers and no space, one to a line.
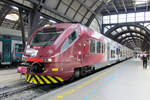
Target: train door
(108,51)
(6,52)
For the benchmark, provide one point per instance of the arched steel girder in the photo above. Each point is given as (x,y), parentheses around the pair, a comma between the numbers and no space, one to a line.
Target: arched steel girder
(98,10)
(127,24)
(120,41)
(132,31)
(137,32)
(146,43)
(137,37)
(129,31)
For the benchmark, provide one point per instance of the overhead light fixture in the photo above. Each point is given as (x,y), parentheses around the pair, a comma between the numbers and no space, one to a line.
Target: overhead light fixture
(52,21)
(139,2)
(41,17)
(12,17)
(14,7)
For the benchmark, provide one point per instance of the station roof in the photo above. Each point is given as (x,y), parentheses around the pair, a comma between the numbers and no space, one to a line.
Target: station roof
(126,6)
(81,11)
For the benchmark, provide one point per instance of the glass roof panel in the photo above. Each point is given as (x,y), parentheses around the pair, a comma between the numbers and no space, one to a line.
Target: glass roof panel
(122,18)
(133,33)
(119,37)
(119,30)
(126,38)
(146,24)
(114,33)
(148,27)
(138,29)
(147,16)
(113,18)
(123,35)
(106,19)
(132,27)
(142,36)
(124,28)
(130,17)
(138,35)
(143,31)
(128,34)
(140,16)
(130,37)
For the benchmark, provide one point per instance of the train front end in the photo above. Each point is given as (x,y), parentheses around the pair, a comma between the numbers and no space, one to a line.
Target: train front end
(40,61)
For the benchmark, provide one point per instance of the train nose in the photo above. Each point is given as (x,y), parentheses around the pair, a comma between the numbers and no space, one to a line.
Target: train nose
(37,68)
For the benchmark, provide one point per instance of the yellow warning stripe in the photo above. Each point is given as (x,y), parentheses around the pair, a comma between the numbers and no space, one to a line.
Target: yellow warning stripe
(53,80)
(41,82)
(28,78)
(47,81)
(60,79)
(33,80)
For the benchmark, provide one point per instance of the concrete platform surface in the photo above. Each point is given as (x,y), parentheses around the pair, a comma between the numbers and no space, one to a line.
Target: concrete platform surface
(8,76)
(124,81)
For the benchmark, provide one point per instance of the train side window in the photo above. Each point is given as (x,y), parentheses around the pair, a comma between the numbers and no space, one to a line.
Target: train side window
(73,36)
(112,53)
(101,47)
(98,47)
(92,46)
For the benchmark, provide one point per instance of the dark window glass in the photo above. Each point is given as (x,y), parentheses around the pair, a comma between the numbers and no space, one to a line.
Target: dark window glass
(101,47)
(6,46)
(72,37)
(46,36)
(112,53)
(19,48)
(92,46)
(98,47)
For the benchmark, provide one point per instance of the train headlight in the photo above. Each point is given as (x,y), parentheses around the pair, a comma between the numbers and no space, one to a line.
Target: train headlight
(31,52)
(49,60)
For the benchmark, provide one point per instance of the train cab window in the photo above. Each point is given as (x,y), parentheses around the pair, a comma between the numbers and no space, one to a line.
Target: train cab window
(98,47)
(46,36)
(92,46)
(72,37)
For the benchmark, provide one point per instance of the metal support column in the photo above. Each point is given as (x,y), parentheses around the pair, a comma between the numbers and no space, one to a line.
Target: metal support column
(34,20)
(22,27)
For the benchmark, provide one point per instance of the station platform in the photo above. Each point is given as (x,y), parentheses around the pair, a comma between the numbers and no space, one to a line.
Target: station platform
(124,81)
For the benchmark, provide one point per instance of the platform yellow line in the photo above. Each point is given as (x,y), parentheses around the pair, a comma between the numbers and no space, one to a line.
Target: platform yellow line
(59,97)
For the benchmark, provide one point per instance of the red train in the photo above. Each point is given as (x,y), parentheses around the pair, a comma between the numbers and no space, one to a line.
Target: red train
(60,52)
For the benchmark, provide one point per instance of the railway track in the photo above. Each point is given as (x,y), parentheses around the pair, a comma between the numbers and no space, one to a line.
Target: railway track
(15,90)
